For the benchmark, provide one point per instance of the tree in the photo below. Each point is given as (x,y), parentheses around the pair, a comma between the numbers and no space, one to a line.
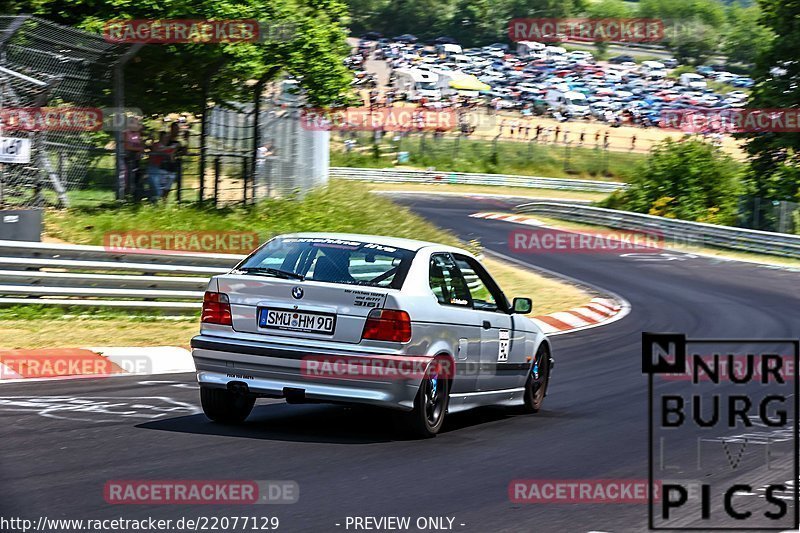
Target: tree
(746,38)
(607,9)
(695,42)
(688,179)
(774,172)
(181,77)
(692,28)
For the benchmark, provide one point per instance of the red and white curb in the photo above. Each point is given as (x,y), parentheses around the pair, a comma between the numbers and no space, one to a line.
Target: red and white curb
(597,312)
(76,363)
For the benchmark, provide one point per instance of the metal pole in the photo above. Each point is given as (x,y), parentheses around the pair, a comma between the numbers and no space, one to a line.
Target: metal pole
(121,120)
(216,181)
(203,134)
(245,171)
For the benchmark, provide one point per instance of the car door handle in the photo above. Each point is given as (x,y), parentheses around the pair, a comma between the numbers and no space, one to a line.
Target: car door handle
(487,324)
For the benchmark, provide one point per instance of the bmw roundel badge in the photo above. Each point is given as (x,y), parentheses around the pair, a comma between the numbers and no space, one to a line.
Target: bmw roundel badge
(297,293)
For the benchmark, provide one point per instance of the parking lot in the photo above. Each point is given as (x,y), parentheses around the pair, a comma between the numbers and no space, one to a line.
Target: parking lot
(618,104)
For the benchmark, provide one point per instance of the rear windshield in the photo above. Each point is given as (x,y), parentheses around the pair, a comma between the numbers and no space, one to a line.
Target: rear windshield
(335,260)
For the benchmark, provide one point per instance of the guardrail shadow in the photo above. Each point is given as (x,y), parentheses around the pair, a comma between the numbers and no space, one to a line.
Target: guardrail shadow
(323,423)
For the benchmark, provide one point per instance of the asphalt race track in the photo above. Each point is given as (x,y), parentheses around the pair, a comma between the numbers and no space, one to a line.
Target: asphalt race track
(62,441)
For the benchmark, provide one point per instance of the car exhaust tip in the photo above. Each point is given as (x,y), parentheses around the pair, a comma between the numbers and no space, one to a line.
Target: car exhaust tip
(238,387)
(294,395)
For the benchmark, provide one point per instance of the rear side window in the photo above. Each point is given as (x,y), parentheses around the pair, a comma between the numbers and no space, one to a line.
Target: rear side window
(335,261)
(447,282)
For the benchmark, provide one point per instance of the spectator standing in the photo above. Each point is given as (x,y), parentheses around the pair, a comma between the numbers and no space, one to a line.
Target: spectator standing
(173,165)
(133,143)
(155,170)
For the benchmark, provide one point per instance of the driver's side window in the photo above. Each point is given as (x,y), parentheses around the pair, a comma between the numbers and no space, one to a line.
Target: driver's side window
(484,292)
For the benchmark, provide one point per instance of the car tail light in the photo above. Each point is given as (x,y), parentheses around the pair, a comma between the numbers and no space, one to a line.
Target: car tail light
(216,309)
(387,325)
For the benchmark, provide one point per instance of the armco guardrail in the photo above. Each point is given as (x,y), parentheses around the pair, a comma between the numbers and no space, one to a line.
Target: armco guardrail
(682,231)
(392,175)
(64,274)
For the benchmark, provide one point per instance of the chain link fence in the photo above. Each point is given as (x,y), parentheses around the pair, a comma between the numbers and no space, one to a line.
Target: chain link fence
(274,156)
(54,81)
(769,215)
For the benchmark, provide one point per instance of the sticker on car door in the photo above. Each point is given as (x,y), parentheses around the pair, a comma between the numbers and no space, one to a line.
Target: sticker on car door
(502,354)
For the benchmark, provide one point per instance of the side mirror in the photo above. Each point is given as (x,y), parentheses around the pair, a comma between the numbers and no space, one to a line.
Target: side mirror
(522,306)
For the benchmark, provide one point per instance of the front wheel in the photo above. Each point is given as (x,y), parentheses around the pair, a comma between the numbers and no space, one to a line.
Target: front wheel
(224,406)
(430,405)
(538,379)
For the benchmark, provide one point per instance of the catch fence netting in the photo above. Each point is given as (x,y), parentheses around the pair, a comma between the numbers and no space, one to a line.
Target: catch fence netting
(56,90)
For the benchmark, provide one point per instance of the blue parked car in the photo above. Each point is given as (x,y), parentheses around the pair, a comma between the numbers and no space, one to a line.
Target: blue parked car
(743,82)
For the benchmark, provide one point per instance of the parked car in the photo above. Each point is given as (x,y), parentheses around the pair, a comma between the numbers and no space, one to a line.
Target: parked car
(361,303)
(618,60)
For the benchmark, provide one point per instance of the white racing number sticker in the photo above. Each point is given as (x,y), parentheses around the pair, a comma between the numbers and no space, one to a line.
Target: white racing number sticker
(502,354)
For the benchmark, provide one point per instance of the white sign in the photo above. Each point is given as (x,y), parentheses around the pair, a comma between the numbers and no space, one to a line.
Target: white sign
(502,356)
(15,150)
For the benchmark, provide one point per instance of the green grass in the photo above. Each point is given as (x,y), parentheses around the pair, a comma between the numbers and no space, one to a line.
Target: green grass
(339,207)
(51,312)
(503,157)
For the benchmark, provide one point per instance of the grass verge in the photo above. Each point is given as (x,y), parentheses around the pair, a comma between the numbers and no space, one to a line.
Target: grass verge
(340,207)
(501,157)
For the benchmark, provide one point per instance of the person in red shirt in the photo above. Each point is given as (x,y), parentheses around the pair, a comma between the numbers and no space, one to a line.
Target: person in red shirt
(156,173)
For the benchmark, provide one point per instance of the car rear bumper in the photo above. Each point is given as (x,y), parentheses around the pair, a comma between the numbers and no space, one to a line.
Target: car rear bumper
(277,371)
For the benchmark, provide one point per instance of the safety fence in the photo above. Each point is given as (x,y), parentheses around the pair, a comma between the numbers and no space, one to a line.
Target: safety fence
(92,276)
(470,178)
(682,231)
(76,275)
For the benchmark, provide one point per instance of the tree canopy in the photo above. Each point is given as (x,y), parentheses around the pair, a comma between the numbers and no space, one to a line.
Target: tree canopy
(172,77)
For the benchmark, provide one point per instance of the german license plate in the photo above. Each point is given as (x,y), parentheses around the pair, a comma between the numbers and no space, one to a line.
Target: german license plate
(304,321)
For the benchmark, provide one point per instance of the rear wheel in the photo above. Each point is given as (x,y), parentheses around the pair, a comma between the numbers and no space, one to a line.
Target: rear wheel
(538,378)
(430,405)
(224,406)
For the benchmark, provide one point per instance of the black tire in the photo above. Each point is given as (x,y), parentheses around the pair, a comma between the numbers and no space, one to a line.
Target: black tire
(430,405)
(224,406)
(538,380)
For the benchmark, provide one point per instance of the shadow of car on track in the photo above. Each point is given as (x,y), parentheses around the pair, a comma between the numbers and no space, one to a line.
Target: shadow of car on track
(325,423)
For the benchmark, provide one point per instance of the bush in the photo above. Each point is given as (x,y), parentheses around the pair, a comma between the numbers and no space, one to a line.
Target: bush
(687,179)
